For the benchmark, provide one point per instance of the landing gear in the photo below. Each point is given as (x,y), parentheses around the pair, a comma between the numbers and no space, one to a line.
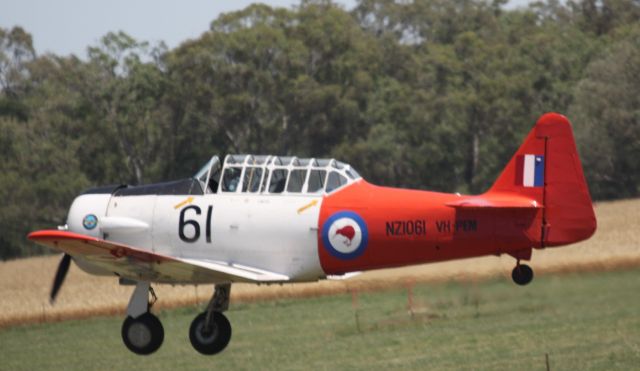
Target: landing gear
(522,274)
(210,339)
(142,332)
(210,331)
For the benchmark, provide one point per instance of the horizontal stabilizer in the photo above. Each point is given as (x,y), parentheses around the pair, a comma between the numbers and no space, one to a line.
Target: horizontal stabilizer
(496,200)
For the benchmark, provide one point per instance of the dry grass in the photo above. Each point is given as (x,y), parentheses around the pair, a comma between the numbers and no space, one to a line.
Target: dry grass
(26,283)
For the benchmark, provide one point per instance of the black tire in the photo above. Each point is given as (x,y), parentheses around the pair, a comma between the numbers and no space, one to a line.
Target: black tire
(212,341)
(522,274)
(143,335)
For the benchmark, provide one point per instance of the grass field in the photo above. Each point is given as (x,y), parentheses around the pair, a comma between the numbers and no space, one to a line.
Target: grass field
(580,320)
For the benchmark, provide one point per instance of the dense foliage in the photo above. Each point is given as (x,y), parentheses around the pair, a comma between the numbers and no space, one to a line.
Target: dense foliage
(432,94)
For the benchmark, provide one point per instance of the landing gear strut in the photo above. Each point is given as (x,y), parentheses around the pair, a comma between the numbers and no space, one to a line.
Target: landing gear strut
(522,274)
(210,331)
(142,332)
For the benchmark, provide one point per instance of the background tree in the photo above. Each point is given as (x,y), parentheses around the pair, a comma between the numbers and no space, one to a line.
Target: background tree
(16,50)
(607,107)
(126,88)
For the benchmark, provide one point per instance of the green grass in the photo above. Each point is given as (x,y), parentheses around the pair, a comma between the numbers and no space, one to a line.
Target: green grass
(582,321)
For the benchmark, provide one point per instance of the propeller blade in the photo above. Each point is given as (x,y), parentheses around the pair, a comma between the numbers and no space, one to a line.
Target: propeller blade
(63,268)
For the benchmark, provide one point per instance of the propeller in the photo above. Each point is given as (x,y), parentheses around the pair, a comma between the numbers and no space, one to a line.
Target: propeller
(63,268)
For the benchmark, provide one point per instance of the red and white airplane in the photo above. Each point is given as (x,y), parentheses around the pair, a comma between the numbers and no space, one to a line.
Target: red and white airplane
(271,219)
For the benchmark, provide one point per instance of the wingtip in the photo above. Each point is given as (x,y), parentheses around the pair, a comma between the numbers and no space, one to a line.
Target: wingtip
(54,234)
(36,234)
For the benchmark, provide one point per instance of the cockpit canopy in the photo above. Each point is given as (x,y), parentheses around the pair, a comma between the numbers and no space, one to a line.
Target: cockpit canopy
(274,175)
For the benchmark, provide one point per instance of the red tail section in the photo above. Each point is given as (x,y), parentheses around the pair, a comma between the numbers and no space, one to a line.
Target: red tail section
(547,169)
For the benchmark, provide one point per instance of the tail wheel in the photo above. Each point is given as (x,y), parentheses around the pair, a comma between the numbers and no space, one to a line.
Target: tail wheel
(213,339)
(522,274)
(144,334)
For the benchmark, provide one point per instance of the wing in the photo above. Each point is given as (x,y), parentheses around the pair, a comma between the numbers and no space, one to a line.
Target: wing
(143,265)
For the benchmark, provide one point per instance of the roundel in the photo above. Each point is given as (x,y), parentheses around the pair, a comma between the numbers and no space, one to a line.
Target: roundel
(90,221)
(345,235)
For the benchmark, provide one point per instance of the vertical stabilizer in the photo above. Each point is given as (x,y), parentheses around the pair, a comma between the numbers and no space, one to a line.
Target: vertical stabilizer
(547,169)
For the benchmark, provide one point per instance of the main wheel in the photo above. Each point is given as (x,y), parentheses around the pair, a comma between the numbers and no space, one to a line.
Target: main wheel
(522,274)
(210,340)
(143,335)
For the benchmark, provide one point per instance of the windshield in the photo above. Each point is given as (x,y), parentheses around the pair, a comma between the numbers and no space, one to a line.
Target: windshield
(201,175)
(209,175)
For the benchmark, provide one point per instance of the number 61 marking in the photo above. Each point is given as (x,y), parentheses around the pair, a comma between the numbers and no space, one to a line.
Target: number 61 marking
(194,224)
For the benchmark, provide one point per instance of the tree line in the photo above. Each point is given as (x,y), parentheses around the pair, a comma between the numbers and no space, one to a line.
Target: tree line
(428,94)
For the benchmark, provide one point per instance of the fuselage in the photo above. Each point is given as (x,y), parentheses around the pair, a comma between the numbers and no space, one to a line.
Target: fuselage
(356,227)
